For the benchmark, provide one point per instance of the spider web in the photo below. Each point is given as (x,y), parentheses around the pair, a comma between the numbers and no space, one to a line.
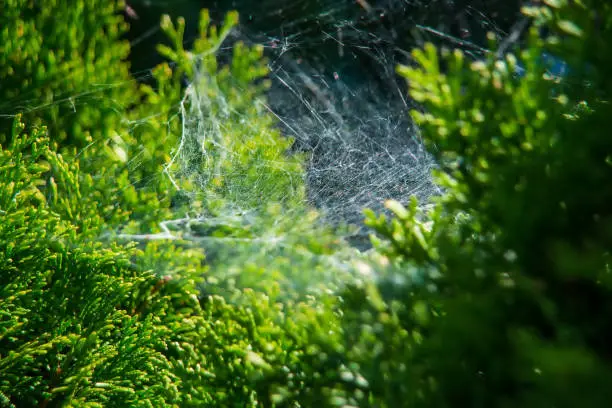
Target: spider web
(335,93)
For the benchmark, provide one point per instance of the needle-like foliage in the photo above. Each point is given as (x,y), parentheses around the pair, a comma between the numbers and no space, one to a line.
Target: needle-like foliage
(514,300)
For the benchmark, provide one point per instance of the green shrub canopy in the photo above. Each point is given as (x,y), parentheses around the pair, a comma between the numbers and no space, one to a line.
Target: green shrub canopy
(138,269)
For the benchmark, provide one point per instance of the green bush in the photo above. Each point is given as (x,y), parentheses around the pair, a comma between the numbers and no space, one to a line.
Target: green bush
(497,296)
(90,319)
(512,297)
(83,324)
(79,322)
(58,69)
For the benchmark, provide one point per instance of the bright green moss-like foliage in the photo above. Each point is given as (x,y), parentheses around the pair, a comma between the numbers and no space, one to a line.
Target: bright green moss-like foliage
(83,325)
(57,67)
(62,64)
(86,320)
(76,319)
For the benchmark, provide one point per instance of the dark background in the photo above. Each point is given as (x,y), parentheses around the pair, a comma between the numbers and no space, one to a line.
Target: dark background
(394,26)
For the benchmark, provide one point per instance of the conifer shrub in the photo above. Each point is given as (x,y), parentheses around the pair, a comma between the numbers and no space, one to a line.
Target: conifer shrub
(87,323)
(57,68)
(83,324)
(507,298)
(498,295)
(88,317)
(78,320)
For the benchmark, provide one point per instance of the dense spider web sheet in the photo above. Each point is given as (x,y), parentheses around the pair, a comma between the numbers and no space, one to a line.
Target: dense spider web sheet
(363,147)
(334,87)
(335,92)
(360,146)
(346,109)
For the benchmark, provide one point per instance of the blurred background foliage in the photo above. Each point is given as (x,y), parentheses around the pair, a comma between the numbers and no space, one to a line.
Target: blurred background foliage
(498,296)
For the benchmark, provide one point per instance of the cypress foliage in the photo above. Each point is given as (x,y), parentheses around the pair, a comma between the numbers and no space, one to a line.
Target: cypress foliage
(498,296)
(87,318)
(513,308)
